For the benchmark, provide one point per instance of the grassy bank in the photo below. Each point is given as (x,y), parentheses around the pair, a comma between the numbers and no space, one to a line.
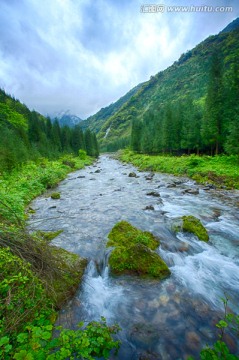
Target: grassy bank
(36,278)
(222,171)
(23,184)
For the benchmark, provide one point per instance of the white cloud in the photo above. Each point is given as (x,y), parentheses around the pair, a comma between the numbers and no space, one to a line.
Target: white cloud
(65,54)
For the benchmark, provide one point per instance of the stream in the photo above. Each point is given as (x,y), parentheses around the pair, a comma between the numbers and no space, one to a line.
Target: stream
(171,319)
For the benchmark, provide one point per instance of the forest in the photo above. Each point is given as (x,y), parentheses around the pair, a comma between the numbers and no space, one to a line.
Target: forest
(206,126)
(27,135)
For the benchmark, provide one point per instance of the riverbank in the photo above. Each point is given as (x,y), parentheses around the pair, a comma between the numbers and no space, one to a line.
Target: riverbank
(221,171)
(55,268)
(35,278)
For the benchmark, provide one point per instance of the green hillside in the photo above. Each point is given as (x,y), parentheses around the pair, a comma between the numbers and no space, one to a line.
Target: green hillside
(186,78)
(96,121)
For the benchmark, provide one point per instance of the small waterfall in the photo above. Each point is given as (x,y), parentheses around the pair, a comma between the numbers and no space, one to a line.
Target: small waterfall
(99,297)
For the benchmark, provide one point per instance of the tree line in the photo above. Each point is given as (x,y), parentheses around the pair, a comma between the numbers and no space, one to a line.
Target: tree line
(27,135)
(209,125)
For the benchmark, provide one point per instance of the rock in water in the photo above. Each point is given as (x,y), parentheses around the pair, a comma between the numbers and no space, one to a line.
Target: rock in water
(153,193)
(132,174)
(133,253)
(193,225)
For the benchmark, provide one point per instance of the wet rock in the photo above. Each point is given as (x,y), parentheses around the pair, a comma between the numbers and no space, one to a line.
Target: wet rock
(163,299)
(52,207)
(192,340)
(149,207)
(171,288)
(178,182)
(149,356)
(211,186)
(191,191)
(153,304)
(153,193)
(92,179)
(216,213)
(183,247)
(150,176)
(132,174)
(143,334)
(172,185)
(81,176)
(97,171)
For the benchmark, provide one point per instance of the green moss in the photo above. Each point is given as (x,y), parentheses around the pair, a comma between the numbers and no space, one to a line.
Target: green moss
(56,195)
(137,259)
(71,267)
(194,225)
(133,252)
(49,235)
(124,234)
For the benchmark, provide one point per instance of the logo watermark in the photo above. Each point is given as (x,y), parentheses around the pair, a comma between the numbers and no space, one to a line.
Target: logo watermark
(161,8)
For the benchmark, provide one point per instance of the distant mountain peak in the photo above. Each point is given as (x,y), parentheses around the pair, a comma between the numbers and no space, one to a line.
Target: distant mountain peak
(66,118)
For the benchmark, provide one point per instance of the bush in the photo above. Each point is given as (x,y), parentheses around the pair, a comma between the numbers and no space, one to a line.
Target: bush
(82,154)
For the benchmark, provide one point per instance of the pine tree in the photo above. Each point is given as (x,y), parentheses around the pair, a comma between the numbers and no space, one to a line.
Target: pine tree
(212,126)
(136,134)
(56,135)
(231,111)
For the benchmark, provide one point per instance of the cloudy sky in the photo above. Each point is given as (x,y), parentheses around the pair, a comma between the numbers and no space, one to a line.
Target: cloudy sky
(81,55)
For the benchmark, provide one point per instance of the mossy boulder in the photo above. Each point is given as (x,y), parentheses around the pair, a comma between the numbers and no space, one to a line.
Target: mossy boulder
(193,225)
(137,259)
(133,253)
(124,234)
(55,195)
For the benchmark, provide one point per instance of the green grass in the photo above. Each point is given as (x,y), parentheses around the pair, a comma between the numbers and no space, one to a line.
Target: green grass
(222,170)
(23,184)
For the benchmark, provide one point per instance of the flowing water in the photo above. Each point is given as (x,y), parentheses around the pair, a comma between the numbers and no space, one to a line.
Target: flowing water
(171,319)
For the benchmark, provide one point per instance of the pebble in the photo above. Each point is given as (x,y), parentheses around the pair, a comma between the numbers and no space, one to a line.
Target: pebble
(193,340)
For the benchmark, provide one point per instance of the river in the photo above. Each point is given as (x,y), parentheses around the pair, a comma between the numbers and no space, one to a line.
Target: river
(171,319)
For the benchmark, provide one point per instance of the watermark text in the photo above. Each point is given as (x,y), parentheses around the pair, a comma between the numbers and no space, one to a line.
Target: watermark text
(161,8)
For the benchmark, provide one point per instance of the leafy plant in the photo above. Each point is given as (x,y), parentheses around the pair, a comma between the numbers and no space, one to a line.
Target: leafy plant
(220,350)
(38,342)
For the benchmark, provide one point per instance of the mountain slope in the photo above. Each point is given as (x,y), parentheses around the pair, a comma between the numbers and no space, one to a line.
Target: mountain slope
(186,77)
(96,121)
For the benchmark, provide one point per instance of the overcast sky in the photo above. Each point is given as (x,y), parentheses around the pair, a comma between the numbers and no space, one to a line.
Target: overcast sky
(81,55)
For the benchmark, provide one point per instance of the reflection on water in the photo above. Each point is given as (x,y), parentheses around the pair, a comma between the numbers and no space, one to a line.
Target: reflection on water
(171,319)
